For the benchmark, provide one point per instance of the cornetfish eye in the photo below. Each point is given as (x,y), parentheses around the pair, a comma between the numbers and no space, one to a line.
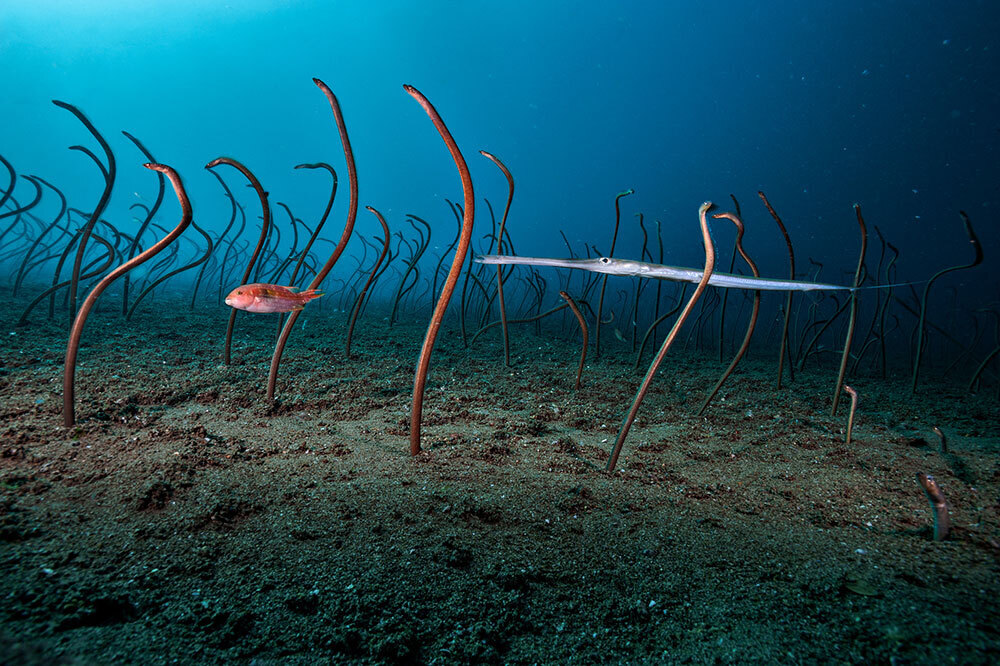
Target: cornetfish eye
(605,260)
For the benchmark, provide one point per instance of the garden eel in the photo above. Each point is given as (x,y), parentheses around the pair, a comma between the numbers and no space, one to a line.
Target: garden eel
(630,268)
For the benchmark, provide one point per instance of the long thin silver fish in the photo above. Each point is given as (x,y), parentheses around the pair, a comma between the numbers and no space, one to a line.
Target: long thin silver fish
(631,268)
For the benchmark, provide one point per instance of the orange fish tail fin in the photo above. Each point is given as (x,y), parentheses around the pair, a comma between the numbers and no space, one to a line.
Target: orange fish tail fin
(310,294)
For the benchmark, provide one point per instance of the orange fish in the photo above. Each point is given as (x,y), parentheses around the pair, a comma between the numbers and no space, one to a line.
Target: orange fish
(269,298)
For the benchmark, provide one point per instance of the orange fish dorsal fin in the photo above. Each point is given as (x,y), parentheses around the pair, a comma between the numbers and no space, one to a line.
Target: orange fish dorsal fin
(293,289)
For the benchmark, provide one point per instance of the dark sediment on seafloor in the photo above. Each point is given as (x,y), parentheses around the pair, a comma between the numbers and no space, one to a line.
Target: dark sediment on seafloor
(185,520)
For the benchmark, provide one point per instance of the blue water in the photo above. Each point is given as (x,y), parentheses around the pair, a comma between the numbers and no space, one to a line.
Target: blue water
(892,105)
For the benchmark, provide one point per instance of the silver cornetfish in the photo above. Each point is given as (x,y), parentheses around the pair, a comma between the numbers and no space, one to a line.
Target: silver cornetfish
(630,268)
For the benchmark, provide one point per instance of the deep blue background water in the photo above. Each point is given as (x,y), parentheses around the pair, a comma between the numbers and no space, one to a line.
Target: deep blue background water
(894,105)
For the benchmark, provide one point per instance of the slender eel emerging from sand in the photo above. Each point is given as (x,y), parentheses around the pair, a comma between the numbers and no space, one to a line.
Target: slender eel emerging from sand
(469,199)
(265,227)
(109,172)
(854,408)
(583,330)
(753,316)
(943,438)
(852,322)
(352,216)
(604,282)
(73,347)
(500,279)
(703,281)
(784,348)
(977,249)
(942,524)
(359,302)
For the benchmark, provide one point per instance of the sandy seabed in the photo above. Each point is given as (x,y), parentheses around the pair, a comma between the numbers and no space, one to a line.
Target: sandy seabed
(184,520)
